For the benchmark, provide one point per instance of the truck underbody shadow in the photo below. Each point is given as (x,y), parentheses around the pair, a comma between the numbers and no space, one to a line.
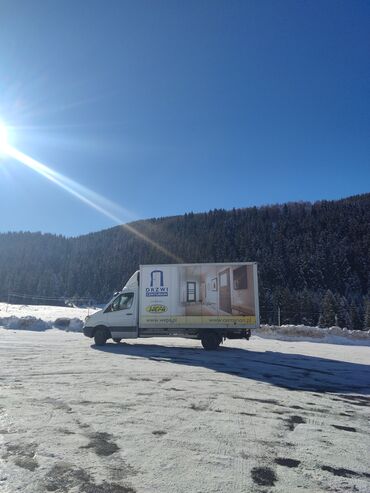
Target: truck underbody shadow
(290,371)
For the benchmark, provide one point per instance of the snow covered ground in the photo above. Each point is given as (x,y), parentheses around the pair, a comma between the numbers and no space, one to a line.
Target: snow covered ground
(163,415)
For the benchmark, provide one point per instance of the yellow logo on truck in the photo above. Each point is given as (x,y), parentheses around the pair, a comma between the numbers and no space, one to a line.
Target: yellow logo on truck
(156,308)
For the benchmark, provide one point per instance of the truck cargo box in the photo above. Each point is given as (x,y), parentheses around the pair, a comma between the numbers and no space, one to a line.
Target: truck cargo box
(199,295)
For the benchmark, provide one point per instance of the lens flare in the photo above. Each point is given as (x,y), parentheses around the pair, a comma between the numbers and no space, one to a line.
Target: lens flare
(85,195)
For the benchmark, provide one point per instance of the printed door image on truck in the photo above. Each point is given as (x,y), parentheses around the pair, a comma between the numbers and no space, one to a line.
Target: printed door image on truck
(224,291)
(191,291)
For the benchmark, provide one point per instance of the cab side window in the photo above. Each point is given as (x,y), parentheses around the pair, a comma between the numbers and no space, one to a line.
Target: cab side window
(126,301)
(122,302)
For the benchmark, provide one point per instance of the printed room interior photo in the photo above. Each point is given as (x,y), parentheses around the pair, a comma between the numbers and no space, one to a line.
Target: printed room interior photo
(217,290)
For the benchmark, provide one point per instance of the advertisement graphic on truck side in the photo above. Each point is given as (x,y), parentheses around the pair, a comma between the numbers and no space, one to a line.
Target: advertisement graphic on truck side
(198,294)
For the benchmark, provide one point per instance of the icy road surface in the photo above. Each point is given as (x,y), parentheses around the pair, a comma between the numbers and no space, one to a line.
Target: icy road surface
(163,415)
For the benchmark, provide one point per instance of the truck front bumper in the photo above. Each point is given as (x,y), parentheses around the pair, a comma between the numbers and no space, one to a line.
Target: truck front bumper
(88,331)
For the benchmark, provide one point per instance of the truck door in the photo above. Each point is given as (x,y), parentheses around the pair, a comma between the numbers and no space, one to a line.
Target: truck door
(224,290)
(120,316)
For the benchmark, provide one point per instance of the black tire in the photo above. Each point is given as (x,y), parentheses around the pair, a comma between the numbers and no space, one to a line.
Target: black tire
(210,341)
(100,337)
(117,340)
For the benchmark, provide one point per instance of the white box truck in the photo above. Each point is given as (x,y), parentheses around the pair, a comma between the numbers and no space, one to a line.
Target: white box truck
(209,302)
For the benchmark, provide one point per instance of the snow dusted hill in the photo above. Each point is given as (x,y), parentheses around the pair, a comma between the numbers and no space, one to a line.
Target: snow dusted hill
(44,317)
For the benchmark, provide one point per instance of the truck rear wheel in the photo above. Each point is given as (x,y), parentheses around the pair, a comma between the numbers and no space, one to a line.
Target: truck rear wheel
(100,337)
(210,341)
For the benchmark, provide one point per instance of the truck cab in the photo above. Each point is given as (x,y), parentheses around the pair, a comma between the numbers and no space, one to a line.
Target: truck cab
(119,318)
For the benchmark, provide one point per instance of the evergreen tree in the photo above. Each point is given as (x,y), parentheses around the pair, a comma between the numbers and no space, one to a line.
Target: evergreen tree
(367,315)
(308,310)
(356,322)
(343,314)
(328,314)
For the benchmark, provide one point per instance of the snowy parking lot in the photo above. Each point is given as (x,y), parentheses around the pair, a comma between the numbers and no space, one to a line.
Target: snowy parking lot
(163,415)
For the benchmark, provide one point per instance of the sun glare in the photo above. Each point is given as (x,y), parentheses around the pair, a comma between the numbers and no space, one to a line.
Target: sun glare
(3,136)
(84,194)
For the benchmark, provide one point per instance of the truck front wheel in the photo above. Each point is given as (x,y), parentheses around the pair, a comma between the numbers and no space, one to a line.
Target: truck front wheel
(100,337)
(210,341)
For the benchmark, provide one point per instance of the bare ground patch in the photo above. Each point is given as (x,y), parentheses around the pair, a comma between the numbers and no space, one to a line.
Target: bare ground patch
(64,477)
(284,461)
(263,476)
(102,444)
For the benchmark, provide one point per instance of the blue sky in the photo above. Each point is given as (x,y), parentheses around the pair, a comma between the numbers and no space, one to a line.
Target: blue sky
(165,107)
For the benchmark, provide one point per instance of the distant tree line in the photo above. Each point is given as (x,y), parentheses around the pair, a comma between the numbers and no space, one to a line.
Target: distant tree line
(314,259)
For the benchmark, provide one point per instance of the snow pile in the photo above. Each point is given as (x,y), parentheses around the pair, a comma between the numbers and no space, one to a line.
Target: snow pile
(42,317)
(331,335)
(25,323)
(37,324)
(69,324)
(75,325)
